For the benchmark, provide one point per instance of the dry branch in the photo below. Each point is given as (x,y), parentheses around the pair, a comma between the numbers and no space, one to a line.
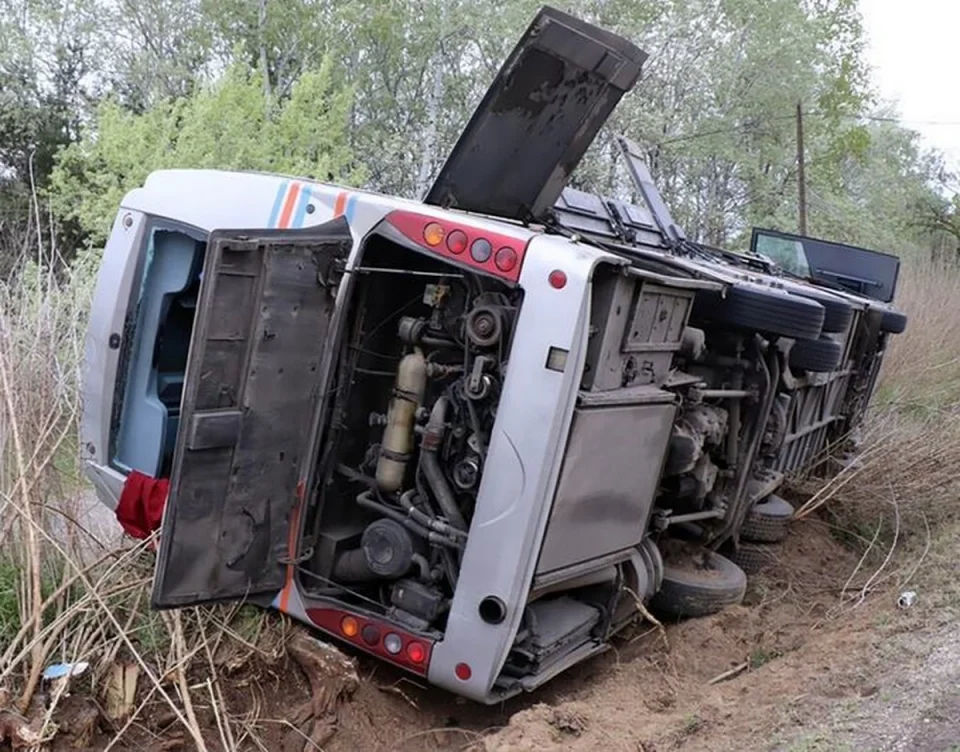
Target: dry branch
(333,678)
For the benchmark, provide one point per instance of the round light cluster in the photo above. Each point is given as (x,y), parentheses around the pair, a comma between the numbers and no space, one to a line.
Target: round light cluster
(506,259)
(481,249)
(416,652)
(433,234)
(457,242)
(370,635)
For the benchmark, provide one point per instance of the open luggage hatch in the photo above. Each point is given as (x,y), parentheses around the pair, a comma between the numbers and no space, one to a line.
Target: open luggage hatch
(539,116)
(859,270)
(249,407)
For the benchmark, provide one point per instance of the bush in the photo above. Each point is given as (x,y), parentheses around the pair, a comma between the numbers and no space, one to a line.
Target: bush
(229,126)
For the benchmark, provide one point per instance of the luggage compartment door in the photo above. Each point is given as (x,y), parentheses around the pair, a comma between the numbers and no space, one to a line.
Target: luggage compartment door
(250,399)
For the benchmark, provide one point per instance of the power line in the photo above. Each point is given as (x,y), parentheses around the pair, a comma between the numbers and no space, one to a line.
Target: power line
(722,131)
(901,121)
(811,114)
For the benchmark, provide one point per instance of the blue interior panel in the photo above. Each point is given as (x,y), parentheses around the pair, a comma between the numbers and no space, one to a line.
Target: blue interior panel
(151,405)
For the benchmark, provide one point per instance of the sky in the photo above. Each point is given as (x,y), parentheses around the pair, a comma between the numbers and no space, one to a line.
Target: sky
(913,50)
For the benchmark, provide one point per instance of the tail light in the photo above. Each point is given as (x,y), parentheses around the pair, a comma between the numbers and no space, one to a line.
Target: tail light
(490,252)
(379,638)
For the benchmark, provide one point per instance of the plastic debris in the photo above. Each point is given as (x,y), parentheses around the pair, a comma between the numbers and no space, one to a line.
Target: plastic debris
(907,599)
(61,670)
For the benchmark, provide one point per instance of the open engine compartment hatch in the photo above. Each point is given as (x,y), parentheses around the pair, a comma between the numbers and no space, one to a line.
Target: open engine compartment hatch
(250,397)
(544,108)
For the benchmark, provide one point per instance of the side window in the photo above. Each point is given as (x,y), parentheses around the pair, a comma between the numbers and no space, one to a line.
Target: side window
(786,253)
(159,325)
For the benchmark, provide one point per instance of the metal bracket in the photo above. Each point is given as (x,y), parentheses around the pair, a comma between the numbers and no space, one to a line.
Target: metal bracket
(288,561)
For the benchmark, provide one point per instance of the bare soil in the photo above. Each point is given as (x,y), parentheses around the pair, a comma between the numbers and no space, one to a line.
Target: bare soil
(799,662)
(795,667)
(809,674)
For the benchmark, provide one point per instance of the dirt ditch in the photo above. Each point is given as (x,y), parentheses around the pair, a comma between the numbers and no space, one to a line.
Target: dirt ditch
(654,692)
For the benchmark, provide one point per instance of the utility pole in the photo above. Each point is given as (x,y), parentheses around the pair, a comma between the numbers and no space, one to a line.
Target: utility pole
(801,173)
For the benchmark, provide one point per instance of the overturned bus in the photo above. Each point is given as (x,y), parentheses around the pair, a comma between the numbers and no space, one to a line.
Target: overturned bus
(465,434)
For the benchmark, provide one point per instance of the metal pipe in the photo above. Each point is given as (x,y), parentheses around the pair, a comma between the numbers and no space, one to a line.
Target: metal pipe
(733,417)
(366,500)
(710,514)
(771,372)
(430,463)
(407,272)
(724,393)
(432,523)
(810,429)
(397,444)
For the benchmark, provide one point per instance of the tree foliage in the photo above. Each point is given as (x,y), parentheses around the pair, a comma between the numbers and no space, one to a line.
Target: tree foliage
(227,125)
(95,94)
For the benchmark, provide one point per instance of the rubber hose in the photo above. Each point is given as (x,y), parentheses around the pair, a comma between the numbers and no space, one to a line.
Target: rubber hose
(431,523)
(351,566)
(366,500)
(351,474)
(423,565)
(433,437)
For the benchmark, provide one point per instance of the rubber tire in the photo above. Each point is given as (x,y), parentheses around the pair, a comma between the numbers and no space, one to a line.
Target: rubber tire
(753,558)
(893,322)
(758,308)
(691,593)
(768,521)
(838,313)
(815,355)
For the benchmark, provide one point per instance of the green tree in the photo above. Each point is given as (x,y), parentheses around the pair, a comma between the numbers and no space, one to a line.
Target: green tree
(223,126)
(377,91)
(48,50)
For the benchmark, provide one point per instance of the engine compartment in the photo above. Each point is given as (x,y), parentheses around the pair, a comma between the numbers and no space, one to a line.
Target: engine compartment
(680,421)
(417,387)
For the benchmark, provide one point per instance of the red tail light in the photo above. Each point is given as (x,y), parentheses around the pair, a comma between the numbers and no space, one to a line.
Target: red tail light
(379,638)
(416,652)
(491,252)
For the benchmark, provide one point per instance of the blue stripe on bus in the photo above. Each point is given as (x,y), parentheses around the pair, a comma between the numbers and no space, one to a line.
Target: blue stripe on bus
(277,203)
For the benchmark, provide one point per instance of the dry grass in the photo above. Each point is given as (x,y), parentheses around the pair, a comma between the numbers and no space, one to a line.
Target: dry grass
(66,595)
(897,502)
(922,368)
